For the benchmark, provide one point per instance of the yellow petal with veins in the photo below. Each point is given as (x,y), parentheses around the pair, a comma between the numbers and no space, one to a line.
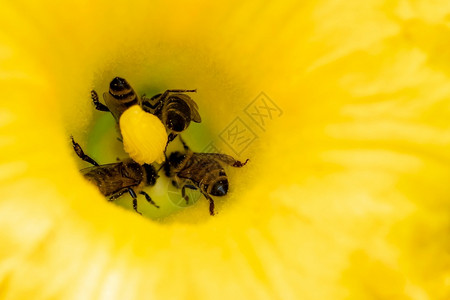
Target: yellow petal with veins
(346,195)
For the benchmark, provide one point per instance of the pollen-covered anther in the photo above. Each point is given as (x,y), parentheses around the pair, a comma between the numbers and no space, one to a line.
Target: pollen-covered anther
(144,136)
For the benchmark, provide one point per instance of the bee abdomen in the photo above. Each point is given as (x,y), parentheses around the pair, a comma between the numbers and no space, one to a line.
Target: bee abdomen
(177,114)
(128,99)
(120,97)
(101,177)
(122,91)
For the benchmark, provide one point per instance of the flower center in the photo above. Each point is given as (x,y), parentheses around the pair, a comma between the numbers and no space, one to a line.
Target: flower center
(150,70)
(104,144)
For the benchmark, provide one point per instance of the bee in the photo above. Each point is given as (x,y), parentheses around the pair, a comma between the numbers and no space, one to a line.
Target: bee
(201,171)
(115,179)
(175,109)
(119,98)
(143,135)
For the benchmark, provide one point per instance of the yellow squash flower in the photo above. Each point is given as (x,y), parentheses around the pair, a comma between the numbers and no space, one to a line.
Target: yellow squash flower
(341,106)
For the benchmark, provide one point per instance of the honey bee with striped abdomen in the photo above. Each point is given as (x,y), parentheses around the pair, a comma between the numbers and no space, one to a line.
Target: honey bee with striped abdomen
(115,179)
(144,136)
(119,98)
(201,171)
(175,109)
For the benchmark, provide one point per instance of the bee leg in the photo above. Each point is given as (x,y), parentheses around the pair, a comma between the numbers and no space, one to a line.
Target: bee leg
(98,106)
(185,146)
(239,164)
(183,194)
(81,154)
(133,195)
(171,137)
(156,100)
(211,204)
(229,160)
(117,195)
(183,191)
(147,103)
(155,97)
(149,200)
(166,93)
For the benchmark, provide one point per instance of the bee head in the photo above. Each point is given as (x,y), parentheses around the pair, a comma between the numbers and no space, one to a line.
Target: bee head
(220,188)
(119,84)
(173,162)
(151,174)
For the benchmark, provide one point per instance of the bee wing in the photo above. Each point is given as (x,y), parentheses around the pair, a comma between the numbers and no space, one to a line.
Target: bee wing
(185,174)
(228,159)
(111,166)
(106,97)
(195,116)
(188,99)
(191,171)
(108,178)
(150,104)
(88,170)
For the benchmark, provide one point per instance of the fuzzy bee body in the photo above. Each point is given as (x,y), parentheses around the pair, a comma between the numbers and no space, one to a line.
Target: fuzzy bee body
(175,110)
(143,135)
(120,97)
(115,179)
(203,171)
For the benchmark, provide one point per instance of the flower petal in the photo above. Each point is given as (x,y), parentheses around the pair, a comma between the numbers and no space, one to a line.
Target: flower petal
(349,178)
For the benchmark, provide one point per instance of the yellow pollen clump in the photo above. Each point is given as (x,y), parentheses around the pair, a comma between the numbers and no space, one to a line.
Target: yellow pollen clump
(144,135)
